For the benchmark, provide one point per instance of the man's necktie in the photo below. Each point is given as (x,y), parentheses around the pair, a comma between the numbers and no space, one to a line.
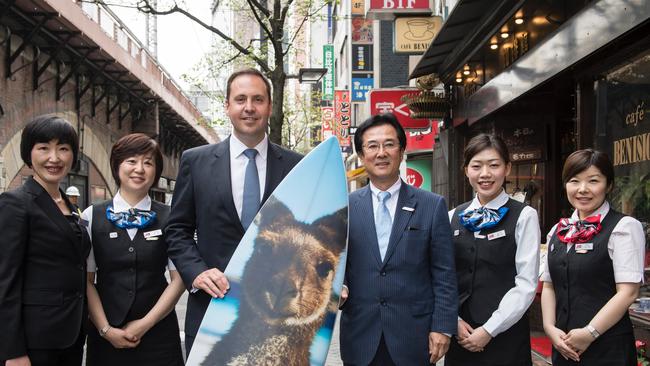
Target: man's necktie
(251,200)
(383,223)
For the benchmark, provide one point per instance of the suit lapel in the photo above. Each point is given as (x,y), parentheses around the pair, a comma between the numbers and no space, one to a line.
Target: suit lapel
(53,213)
(221,173)
(274,170)
(367,214)
(401,219)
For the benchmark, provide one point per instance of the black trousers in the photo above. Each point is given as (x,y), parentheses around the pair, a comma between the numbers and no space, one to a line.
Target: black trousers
(382,356)
(71,356)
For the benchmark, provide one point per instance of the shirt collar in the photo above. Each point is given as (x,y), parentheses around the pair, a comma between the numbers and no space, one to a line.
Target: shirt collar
(496,203)
(602,211)
(120,205)
(237,147)
(392,190)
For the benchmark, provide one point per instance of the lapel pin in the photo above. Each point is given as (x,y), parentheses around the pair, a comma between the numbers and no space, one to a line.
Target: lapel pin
(409,209)
(112,235)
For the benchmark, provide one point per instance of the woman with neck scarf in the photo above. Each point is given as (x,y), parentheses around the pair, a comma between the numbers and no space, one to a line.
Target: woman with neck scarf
(594,270)
(496,241)
(132,304)
(44,249)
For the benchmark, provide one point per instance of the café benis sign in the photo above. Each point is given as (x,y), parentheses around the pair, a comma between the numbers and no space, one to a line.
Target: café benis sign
(631,131)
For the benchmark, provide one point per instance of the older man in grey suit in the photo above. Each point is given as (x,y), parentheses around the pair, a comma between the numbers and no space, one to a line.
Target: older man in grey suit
(401,306)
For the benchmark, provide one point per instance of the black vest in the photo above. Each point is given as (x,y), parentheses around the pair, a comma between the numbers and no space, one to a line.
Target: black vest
(584,282)
(485,268)
(130,274)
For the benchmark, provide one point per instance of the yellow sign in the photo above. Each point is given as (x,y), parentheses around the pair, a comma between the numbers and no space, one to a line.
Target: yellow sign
(414,34)
(358,7)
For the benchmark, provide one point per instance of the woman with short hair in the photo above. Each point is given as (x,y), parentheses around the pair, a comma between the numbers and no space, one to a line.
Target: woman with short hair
(594,270)
(44,249)
(131,303)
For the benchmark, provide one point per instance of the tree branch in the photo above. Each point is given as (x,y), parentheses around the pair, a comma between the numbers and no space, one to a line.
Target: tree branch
(255,5)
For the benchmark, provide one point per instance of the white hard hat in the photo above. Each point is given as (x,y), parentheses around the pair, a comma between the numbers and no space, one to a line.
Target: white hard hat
(72,191)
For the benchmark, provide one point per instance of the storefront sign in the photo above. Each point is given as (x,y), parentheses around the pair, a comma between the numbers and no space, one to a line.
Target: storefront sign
(421,140)
(342,116)
(400,6)
(414,34)
(328,79)
(327,120)
(526,155)
(418,173)
(389,101)
(360,88)
(358,7)
(632,150)
(361,57)
(361,30)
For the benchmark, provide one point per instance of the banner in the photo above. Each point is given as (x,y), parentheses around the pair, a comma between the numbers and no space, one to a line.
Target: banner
(361,57)
(342,116)
(327,119)
(361,30)
(328,79)
(360,88)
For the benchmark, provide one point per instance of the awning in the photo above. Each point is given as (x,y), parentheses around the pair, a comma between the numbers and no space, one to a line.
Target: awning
(470,25)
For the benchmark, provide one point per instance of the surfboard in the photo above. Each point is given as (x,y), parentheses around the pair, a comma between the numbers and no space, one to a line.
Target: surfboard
(285,275)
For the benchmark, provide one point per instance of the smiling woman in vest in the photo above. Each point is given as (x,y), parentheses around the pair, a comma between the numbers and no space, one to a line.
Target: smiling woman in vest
(44,250)
(131,303)
(594,270)
(496,240)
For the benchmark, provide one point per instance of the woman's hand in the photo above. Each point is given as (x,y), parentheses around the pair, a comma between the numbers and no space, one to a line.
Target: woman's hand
(476,341)
(558,337)
(137,328)
(464,330)
(19,361)
(579,340)
(121,339)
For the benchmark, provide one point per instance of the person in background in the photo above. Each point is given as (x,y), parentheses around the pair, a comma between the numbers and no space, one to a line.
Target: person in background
(44,249)
(496,240)
(73,195)
(131,303)
(594,270)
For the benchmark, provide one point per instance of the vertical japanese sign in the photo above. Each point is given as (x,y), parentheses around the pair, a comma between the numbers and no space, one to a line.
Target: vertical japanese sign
(342,116)
(328,79)
(327,119)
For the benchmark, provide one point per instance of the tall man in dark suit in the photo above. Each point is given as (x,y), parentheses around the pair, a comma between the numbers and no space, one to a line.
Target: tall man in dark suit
(218,191)
(401,306)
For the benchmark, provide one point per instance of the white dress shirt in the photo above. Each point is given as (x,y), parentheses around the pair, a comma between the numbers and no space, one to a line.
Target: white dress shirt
(517,300)
(238,162)
(391,202)
(626,247)
(119,205)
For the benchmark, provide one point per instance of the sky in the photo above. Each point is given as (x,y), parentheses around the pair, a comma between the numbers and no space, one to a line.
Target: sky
(181,42)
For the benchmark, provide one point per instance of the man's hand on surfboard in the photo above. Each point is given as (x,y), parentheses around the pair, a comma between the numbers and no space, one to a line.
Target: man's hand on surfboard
(213,282)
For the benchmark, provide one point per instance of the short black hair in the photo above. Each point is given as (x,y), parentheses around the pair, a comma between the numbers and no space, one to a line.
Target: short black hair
(484,141)
(379,120)
(44,129)
(252,72)
(581,160)
(133,145)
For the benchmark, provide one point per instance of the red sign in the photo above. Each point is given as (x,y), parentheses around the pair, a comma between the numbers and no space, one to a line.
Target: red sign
(419,140)
(414,178)
(327,119)
(342,117)
(400,5)
(389,101)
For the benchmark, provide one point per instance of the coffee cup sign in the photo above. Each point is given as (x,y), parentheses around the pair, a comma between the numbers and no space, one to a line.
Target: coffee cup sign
(414,34)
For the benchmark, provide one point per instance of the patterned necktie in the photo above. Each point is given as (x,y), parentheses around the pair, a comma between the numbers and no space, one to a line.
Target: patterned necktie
(251,199)
(132,219)
(481,218)
(572,231)
(383,223)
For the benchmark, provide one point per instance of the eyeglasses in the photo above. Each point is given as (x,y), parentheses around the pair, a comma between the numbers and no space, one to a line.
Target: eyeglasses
(373,147)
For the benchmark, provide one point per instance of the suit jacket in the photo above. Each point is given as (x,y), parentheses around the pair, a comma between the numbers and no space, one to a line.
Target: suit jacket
(42,273)
(411,292)
(203,202)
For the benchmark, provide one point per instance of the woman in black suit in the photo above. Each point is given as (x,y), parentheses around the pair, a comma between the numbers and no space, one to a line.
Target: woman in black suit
(44,251)
(132,305)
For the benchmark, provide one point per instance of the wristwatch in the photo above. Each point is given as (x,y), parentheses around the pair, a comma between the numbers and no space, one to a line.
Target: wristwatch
(103,331)
(593,331)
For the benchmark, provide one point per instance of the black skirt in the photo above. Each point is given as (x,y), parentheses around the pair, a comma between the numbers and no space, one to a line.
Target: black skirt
(616,350)
(160,346)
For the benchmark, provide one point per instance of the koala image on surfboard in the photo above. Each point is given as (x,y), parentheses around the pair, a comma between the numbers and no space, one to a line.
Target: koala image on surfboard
(285,275)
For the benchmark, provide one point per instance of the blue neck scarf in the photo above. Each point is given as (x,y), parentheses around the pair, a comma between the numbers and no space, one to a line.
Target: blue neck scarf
(132,219)
(481,218)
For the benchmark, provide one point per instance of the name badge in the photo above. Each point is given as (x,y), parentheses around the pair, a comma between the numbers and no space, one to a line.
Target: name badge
(496,235)
(456,232)
(112,235)
(409,209)
(584,247)
(152,234)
